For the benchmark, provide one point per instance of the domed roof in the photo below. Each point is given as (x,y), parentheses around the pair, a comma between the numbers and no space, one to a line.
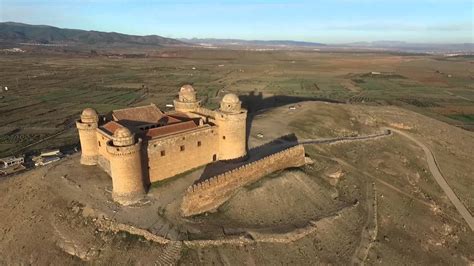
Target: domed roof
(89,112)
(89,115)
(186,88)
(122,132)
(230,98)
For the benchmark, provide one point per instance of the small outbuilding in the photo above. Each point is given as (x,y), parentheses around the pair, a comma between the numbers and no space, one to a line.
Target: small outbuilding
(11,161)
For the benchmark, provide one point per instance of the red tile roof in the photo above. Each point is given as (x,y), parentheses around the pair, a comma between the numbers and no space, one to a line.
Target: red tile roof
(171,128)
(149,121)
(147,114)
(111,126)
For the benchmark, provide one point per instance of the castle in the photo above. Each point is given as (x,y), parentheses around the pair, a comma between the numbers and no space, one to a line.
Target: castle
(140,145)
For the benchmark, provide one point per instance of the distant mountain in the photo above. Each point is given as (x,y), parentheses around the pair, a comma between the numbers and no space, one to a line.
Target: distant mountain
(252,43)
(386,46)
(414,47)
(16,33)
(41,34)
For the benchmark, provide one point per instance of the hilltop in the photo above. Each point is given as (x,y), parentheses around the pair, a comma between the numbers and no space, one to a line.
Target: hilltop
(371,201)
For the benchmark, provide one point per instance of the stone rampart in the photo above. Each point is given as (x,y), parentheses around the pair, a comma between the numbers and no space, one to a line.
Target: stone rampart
(209,194)
(178,153)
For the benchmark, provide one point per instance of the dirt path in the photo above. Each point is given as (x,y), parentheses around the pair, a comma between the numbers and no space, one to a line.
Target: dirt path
(369,233)
(434,168)
(387,132)
(432,165)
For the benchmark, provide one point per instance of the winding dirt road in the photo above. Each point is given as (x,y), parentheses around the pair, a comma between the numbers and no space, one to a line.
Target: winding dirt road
(434,168)
(432,165)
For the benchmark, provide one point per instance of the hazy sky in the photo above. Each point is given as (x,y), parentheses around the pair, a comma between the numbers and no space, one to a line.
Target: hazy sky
(329,21)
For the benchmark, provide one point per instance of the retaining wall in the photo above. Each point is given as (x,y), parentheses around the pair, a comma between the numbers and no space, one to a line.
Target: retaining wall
(209,194)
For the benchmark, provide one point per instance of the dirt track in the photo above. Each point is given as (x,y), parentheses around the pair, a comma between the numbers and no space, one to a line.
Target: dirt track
(440,180)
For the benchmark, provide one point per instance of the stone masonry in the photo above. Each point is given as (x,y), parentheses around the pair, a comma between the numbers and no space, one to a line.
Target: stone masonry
(208,195)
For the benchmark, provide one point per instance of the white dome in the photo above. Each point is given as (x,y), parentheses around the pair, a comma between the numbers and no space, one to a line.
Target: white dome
(122,132)
(89,112)
(89,115)
(187,88)
(123,137)
(231,98)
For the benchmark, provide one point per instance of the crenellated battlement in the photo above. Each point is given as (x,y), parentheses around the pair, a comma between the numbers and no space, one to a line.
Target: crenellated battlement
(211,193)
(224,176)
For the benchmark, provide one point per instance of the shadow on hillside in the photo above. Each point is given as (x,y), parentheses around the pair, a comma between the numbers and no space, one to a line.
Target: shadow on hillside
(255,104)
(253,155)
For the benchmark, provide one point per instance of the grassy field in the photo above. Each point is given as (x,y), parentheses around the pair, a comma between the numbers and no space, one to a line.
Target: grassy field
(47,92)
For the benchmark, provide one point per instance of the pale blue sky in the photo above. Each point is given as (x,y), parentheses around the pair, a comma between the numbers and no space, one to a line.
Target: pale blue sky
(328,21)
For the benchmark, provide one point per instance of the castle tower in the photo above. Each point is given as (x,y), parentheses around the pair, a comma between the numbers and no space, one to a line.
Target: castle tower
(186,101)
(126,167)
(87,126)
(231,120)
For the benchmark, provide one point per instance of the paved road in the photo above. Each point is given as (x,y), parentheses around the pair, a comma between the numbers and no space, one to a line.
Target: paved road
(434,168)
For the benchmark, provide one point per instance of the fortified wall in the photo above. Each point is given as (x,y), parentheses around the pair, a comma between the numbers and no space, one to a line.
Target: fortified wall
(189,150)
(209,194)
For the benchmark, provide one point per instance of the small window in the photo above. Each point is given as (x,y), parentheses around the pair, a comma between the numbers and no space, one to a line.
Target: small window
(199,143)
(214,158)
(163,153)
(154,145)
(181,148)
(100,144)
(223,137)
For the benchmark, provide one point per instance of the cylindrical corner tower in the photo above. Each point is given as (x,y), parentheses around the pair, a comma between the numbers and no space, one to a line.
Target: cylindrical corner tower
(87,126)
(231,120)
(187,101)
(126,167)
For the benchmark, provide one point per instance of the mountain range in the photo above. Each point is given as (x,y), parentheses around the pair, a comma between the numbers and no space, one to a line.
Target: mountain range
(42,34)
(238,42)
(20,33)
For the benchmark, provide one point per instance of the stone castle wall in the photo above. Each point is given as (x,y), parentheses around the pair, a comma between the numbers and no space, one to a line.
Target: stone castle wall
(103,159)
(179,153)
(200,148)
(211,193)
